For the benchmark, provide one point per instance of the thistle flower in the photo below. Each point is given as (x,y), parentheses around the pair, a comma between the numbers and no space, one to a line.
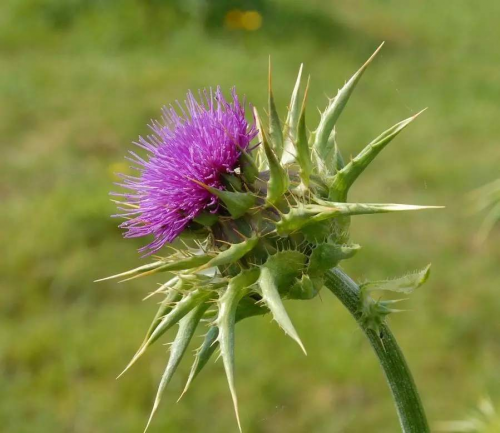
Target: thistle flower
(278,228)
(202,144)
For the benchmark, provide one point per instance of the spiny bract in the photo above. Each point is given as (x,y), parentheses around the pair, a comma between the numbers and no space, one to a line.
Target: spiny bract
(274,221)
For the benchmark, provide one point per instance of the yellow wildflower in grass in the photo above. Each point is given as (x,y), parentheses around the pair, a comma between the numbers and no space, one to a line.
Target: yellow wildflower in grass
(233,19)
(246,20)
(251,21)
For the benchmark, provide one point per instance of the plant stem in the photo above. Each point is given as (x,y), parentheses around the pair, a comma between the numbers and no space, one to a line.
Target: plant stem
(409,407)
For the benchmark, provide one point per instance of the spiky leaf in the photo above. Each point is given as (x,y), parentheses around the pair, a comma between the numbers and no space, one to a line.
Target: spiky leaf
(373,313)
(344,179)
(286,266)
(272,298)
(247,307)
(228,303)
(173,296)
(187,327)
(278,177)
(405,284)
(330,116)
(170,264)
(275,132)
(327,255)
(303,215)
(206,219)
(202,356)
(301,144)
(333,160)
(305,288)
(248,166)
(237,203)
(183,307)
(234,253)
(292,123)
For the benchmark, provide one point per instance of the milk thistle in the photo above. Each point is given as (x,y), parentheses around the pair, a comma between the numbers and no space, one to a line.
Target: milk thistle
(264,222)
(487,200)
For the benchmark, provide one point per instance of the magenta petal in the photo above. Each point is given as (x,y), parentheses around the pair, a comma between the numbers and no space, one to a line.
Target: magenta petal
(201,143)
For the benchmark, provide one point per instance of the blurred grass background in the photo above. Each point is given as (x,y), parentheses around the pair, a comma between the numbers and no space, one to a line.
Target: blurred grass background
(80,79)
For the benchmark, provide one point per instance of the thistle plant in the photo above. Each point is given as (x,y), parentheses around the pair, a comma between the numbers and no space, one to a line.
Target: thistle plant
(483,419)
(486,200)
(261,215)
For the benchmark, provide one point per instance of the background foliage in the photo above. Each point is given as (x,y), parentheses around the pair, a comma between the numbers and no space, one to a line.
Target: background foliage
(80,79)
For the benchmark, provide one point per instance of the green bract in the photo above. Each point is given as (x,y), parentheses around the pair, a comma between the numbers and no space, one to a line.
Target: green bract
(282,224)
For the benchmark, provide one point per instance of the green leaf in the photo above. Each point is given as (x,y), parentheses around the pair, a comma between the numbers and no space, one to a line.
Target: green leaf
(317,233)
(336,161)
(330,116)
(234,253)
(373,313)
(302,145)
(187,327)
(249,168)
(231,182)
(173,296)
(304,215)
(304,289)
(275,132)
(333,161)
(183,307)
(326,256)
(278,177)
(206,219)
(164,288)
(247,307)
(137,271)
(228,303)
(203,354)
(405,284)
(237,203)
(292,122)
(344,179)
(286,266)
(272,298)
(170,264)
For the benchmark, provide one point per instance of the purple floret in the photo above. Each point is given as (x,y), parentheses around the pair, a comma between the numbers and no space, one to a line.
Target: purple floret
(202,144)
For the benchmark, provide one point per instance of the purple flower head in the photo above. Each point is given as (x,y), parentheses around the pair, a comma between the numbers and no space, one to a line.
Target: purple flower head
(200,143)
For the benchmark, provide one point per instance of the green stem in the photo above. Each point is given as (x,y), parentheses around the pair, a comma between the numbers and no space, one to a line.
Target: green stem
(410,410)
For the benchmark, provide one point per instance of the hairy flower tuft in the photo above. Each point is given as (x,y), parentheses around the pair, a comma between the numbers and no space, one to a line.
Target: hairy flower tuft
(200,144)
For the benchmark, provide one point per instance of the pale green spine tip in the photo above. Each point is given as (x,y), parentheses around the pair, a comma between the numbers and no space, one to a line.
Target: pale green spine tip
(275,132)
(171,264)
(164,288)
(345,178)
(335,108)
(305,215)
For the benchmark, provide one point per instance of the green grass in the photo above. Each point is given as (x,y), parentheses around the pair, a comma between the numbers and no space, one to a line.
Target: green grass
(80,80)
